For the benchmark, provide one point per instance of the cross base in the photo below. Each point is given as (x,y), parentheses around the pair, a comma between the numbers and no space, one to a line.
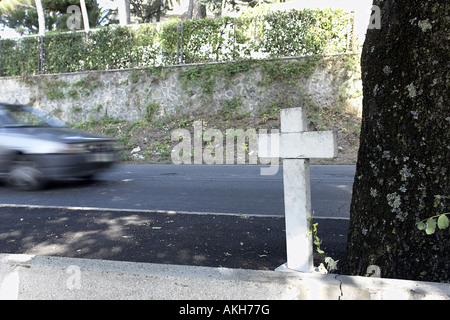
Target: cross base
(284,268)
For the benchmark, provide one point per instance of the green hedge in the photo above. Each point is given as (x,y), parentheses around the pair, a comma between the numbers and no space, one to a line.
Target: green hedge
(19,57)
(64,52)
(277,34)
(205,40)
(306,32)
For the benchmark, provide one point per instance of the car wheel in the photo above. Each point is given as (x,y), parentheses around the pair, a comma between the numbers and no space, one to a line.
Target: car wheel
(23,175)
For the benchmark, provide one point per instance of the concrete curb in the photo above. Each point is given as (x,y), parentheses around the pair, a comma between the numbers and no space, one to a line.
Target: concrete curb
(42,277)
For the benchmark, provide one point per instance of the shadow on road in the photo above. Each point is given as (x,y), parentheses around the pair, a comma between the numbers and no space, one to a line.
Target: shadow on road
(199,240)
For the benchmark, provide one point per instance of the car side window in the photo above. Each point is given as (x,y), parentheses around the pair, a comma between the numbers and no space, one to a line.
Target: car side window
(5,119)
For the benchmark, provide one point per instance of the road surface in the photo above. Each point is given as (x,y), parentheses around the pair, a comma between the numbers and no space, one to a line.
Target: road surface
(238,189)
(230,216)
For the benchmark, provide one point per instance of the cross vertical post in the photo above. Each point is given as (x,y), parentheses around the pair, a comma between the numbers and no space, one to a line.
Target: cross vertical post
(297,198)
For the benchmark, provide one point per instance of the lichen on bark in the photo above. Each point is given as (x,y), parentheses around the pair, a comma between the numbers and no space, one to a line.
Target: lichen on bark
(403,169)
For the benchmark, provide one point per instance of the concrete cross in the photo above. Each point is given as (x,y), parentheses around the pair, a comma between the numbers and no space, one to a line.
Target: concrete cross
(295,145)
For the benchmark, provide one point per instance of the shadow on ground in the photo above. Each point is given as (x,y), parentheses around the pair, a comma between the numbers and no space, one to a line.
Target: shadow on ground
(187,239)
(202,240)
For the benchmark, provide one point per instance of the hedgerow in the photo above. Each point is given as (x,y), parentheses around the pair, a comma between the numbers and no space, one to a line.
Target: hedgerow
(276,34)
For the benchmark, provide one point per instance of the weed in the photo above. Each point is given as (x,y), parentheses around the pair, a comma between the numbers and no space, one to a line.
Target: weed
(54,93)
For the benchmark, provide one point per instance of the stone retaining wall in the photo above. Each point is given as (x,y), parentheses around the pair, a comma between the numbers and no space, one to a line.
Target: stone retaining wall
(135,93)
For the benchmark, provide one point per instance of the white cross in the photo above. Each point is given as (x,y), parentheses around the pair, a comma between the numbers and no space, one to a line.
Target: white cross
(296,146)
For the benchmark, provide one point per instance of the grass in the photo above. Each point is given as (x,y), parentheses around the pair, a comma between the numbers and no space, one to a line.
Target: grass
(152,133)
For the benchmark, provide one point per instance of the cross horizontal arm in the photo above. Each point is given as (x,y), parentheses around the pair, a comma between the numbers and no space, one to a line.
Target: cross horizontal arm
(298,145)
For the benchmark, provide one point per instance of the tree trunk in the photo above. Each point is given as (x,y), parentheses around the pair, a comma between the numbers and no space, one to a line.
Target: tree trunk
(85,15)
(123,7)
(403,169)
(190,11)
(41,17)
(199,10)
(196,10)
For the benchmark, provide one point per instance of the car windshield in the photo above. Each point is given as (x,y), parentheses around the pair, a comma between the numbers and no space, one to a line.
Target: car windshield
(18,116)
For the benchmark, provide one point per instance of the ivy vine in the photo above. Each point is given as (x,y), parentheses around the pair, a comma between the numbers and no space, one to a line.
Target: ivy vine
(429,225)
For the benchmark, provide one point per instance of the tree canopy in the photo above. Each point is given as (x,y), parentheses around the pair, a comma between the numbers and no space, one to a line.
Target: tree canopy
(22,14)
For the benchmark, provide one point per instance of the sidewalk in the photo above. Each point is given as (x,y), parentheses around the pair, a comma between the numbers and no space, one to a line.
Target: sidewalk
(41,277)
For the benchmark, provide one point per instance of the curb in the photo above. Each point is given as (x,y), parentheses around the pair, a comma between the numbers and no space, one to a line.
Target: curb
(57,278)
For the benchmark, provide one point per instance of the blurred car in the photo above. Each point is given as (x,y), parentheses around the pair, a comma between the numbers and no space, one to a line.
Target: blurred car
(36,148)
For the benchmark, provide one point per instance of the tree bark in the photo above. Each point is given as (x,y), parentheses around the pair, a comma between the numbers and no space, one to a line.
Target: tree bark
(403,168)
(196,10)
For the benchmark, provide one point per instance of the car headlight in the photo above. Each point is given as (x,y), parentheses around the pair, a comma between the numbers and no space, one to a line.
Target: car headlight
(75,148)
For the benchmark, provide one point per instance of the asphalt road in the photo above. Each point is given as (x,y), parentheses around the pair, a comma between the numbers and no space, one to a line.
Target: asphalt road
(236,189)
(187,230)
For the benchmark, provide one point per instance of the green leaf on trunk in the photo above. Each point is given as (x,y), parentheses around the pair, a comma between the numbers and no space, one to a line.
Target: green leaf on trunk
(431,226)
(443,222)
(421,225)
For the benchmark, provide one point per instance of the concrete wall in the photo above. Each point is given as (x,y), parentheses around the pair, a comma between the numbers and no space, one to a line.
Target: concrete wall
(132,94)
